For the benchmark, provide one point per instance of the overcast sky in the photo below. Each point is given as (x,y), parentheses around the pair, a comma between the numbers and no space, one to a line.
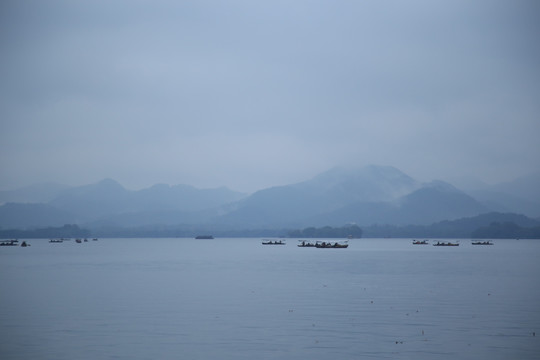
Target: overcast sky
(252,94)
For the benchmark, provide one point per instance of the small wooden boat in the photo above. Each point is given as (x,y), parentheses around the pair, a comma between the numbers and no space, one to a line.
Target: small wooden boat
(329,245)
(56,240)
(304,243)
(276,242)
(78,241)
(481,243)
(13,242)
(445,244)
(420,242)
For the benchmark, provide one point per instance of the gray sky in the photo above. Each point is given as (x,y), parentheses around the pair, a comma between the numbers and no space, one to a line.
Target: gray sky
(251,94)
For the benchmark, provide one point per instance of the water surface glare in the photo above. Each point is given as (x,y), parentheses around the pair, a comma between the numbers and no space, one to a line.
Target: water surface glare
(238,299)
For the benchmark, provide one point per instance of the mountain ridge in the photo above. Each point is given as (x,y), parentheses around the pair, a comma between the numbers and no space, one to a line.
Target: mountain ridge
(361,195)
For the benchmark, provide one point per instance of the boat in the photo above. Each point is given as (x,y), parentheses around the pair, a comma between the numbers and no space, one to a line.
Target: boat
(481,243)
(445,244)
(330,245)
(24,244)
(204,237)
(56,240)
(305,243)
(79,241)
(276,242)
(13,242)
(420,242)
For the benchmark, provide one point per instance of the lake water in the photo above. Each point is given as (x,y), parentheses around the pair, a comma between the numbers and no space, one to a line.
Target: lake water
(238,299)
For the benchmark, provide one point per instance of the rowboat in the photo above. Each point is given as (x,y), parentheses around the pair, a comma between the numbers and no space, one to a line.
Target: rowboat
(275,242)
(329,245)
(445,244)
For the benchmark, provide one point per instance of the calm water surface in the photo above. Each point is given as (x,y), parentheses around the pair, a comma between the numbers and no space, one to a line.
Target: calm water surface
(238,299)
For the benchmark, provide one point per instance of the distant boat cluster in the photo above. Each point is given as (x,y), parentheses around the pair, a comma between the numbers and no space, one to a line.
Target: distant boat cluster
(275,242)
(448,243)
(80,241)
(13,242)
(445,244)
(341,244)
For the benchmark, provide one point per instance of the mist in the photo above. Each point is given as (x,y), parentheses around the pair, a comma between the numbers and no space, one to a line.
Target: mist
(250,95)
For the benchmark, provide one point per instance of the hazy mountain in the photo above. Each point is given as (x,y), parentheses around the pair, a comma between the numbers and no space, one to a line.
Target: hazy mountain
(504,202)
(327,192)
(460,228)
(525,187)
(154,217)
(108,198)
(433,202)
(370,183)
(521,195)
(364,196)
(88,202)
(22,216)
(183,197)
(109,202)
(438,201)
(38,193)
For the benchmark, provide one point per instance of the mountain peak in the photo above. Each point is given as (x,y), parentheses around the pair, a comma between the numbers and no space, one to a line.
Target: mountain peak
(368,183)
(108,182)
(442,186)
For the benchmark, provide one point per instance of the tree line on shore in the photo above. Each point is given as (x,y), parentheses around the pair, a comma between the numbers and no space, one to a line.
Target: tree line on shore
(352,231)
(66,231)
(487,226)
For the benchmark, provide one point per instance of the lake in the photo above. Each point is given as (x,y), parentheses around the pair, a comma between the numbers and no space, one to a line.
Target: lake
(238,299)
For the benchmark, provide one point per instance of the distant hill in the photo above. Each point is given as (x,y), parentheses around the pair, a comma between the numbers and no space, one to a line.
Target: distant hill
(294,205)
(109,202)
(433,202)
(22,216)
(363,196)
(521,195)
(108,198)
(88,202)
(38,193)
(505,202)
(459,228)
(525,187)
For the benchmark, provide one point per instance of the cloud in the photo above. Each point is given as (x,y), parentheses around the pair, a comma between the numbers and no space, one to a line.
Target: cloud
(249,94)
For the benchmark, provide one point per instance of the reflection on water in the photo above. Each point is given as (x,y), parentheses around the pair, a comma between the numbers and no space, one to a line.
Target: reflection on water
(237,299)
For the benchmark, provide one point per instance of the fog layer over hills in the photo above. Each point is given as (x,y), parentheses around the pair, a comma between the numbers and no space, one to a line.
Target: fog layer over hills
(363,196)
